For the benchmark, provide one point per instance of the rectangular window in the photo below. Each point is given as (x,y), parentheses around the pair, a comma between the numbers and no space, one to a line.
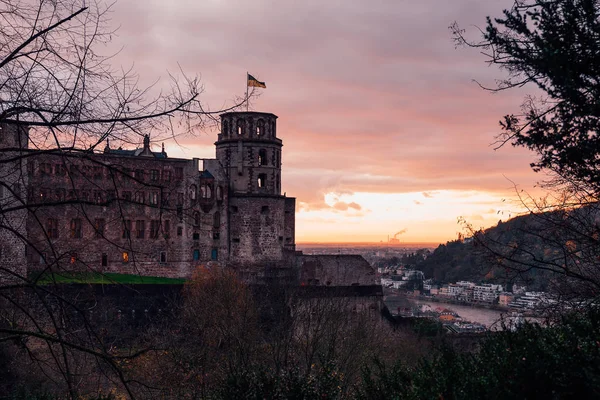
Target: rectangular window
(126,229)
(163,257)
(216,235)
(99,227)
(97,171)
(125,257)
(196,254)
(139,197)
(214,254)
(76,228)
(98,197)
(140,228)
(196,236)
(153,198)
(167,228)
(139,174)
(104,259)
(154,175)
(73,258)
(178,173)
(167,176)
(43,258)
(154,228)
(179,231)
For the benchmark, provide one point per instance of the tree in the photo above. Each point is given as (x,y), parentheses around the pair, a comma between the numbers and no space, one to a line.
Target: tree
(552,45)
(60,96)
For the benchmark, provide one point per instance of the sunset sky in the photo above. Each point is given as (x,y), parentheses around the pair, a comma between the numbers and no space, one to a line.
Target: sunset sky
(384,130)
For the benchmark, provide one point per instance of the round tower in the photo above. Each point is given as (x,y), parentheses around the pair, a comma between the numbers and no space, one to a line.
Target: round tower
(250,152)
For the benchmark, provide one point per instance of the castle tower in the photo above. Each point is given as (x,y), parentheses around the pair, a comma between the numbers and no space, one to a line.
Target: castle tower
(261,220)
(250,152)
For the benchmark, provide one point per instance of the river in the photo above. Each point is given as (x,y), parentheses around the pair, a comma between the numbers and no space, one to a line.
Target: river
(490,318)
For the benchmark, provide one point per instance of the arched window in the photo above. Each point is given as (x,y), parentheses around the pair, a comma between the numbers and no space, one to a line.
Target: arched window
(193,192)
(240,126)
(262,180)
(219,193)
(205,191)
(226,128)
(196,218)
(262,157)
(260,127)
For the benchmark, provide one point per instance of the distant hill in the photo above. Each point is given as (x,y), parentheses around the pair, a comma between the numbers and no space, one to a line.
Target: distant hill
(470,260)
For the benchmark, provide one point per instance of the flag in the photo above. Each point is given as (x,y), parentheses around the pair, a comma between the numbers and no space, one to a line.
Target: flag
(253,82)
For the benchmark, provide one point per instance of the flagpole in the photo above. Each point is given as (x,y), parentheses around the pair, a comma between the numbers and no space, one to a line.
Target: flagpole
(247,99)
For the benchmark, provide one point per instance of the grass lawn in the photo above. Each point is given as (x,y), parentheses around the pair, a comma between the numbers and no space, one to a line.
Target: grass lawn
(108,278)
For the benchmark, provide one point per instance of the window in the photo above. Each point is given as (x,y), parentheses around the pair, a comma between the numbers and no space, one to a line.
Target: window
(179,199)
(216,220)
(179,231)
(16,188)
(235,240)
(125,257)
(59,194)
(196,218)
(126,195)
(163,257)
(154,175)
(167,228)
(264,209)
(98,197)
(154,228)
(167,176)
(73,258)
(139,197)
(262,180)
(99,227)
(219,193)
(140,228)
(60,170)
(74,170)
(240,127)
(193,192)
(126,229)
(153,198)
(196,255)
(260,127)
(216,235)
(196,236)
(97,171)
(42,258)
(178,173)
(262,157)
(205,191)
(165,199)
(234,209)
(225,128)
(104,259)
(214,253)
(139,174)
(76,228)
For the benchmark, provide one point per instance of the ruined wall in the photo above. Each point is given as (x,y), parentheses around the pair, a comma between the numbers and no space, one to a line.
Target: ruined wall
(167,207)
(336,270)
(256,228)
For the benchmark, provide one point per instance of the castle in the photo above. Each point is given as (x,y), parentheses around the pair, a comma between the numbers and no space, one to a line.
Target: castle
(142,212)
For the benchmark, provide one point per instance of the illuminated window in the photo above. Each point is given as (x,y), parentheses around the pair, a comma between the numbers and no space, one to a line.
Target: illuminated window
(52,228)
(73,258)
(262,180)
(125,256)
(240,127)
(260,127)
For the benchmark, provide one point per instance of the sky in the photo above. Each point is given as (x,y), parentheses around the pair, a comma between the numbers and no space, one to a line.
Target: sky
(384,129)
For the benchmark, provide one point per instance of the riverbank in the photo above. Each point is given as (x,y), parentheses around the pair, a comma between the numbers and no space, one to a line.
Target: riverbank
(446,300)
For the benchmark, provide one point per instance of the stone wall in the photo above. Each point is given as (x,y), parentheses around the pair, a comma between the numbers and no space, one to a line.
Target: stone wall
(336,270)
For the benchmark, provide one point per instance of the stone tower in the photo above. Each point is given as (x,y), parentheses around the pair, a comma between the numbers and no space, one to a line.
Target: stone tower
(261,227)
(250,152)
